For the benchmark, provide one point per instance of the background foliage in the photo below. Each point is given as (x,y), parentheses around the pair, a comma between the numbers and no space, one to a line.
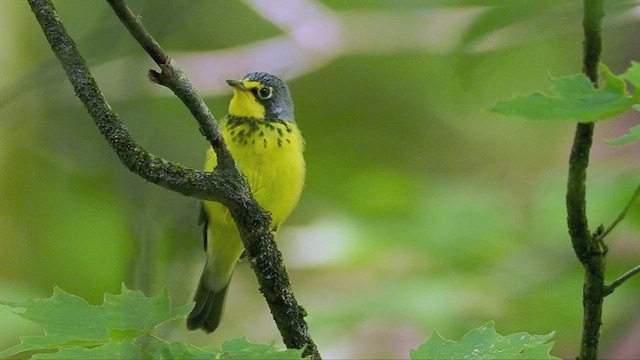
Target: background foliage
(422,211)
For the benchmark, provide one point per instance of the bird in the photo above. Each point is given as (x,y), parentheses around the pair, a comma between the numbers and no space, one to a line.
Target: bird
(262,135)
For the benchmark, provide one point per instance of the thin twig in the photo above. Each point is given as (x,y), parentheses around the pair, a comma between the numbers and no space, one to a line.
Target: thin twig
(622,215)
(135,27)
(590,252)
(175,79)
(608,289)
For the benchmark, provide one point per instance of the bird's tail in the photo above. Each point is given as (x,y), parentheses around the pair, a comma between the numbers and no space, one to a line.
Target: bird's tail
(207,313)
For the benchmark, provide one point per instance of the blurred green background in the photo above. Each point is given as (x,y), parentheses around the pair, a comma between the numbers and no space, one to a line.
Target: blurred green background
(422,211)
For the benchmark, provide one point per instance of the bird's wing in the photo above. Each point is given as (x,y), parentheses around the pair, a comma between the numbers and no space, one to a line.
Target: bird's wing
(203,220)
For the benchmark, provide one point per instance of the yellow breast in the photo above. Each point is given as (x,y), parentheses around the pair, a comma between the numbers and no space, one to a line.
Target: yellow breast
(269,154)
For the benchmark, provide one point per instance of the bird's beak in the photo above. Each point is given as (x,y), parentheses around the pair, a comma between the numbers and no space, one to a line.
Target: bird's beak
(237,84)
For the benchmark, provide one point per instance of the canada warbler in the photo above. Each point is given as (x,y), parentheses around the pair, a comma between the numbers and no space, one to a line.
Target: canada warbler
(263,138)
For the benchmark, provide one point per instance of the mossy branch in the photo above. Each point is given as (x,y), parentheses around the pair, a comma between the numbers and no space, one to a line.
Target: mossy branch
(589,248)
(225,184)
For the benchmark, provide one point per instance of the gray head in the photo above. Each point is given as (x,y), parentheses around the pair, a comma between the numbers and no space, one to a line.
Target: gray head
(261,95)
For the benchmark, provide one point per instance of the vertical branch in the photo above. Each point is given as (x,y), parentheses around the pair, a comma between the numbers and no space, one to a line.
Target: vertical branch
(588,248)
(576,191)
(592,25)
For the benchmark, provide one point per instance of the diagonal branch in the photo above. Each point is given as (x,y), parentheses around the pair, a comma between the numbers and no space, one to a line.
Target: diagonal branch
(175,79)
(137,30)
(622,214)
(608,289)
(225,184)
(154,169)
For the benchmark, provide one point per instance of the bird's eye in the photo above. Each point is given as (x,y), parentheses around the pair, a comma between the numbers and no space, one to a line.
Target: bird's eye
(264,93)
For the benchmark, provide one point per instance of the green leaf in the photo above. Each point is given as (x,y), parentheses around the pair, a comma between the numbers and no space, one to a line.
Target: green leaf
(574,98)
(240,348)
(68,320)
(161,350)
(485,343)
(135,311)
(632,136)
(613,84)
(632,74)
(121,334)
(75,329)
(124,349)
